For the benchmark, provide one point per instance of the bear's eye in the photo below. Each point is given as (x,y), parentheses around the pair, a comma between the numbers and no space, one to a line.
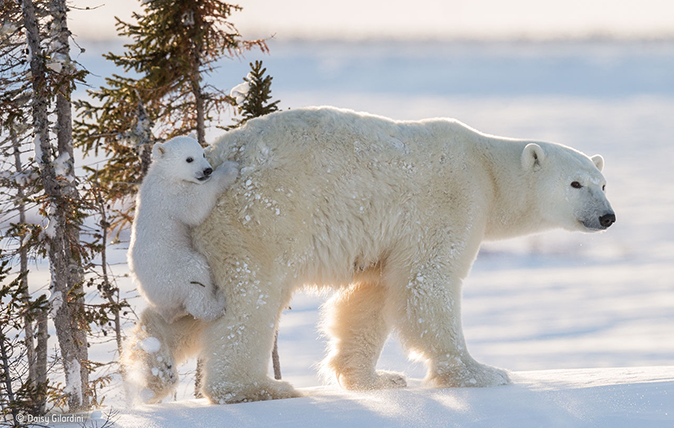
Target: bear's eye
(189,160)
(603,188)
(576,185)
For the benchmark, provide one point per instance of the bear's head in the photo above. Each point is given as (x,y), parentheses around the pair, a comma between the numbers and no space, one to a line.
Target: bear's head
(183,158)
(569,186)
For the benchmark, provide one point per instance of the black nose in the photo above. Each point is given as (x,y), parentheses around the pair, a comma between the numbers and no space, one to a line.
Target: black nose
(606,220)
(208,171)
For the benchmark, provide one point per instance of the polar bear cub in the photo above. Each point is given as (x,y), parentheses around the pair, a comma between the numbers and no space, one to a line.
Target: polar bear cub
(179,191)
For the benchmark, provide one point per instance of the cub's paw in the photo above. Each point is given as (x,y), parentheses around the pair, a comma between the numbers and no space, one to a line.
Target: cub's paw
(227,173)
(202,303)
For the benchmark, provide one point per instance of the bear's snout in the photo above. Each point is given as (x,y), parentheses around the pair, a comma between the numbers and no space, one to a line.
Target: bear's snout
(607,220)
(208,171)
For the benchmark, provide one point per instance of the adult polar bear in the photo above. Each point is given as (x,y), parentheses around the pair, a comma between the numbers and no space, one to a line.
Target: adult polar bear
(389,213)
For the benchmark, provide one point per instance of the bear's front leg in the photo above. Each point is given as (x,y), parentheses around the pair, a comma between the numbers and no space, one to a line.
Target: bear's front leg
(237,346)
(427,313)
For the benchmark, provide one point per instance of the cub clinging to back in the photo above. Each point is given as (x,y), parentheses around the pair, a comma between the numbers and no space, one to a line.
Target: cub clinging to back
(179,191)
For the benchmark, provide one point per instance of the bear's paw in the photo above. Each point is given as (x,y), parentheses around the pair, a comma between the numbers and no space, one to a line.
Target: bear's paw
(231,392)
(462,374)
(380,380)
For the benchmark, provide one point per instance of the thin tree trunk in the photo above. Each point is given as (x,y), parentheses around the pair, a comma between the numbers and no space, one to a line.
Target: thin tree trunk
(195,78)
(110,294)
(8,378)
(43,158)
(23,262)
(199,101)
(37,356)
(276,363)
(65,270)
(199,378)
(64,134)
(113,297)
(41,351)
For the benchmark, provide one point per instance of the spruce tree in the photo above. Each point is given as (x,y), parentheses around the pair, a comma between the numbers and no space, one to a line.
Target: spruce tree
(252,97)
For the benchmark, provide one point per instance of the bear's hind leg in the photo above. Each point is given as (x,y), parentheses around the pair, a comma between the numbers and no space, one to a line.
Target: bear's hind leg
(355,322)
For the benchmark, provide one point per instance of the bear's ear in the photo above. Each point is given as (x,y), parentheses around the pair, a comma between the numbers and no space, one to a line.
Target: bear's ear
(598,162)
(532,157)
(158,150)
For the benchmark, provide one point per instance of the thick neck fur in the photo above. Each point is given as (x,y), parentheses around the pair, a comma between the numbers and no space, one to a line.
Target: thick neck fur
(514,210)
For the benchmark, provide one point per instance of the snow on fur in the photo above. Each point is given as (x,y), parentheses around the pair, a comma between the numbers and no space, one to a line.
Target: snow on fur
(151,345)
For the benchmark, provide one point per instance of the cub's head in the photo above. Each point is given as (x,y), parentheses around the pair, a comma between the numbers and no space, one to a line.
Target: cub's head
(182,158)
(570,187)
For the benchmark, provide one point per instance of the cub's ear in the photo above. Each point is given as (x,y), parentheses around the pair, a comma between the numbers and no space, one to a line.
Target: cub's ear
(158,150)
(532,157)
(598,161)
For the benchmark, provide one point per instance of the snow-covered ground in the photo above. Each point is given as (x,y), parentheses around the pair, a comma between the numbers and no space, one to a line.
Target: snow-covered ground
(615,398)
(552,302)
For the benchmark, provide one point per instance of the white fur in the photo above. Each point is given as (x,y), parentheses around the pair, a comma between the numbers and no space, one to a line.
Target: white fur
(392,215)
(176,195)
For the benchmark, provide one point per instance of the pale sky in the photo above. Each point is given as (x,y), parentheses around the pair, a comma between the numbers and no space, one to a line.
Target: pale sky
(361,19)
